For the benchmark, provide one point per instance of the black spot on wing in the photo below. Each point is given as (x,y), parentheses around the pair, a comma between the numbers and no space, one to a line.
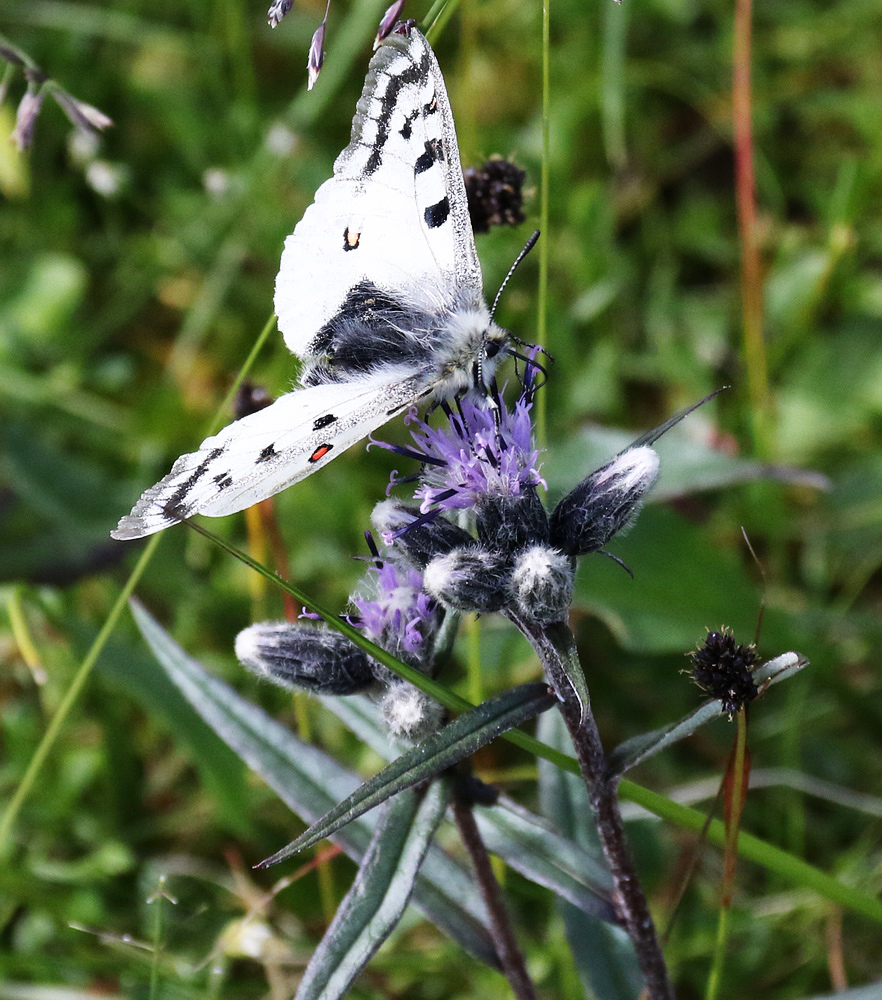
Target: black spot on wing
(431,154)
(436,215)
(350,240)
(413,74)
(175,506)
(324,421)
(223,480)
(267,453)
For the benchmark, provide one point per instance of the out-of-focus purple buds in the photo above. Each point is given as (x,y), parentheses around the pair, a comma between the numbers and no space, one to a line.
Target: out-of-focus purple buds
(307,657)
(82,116)
(422,538)
(468,579)
(507,523)
(388,21)
(26,117)
(316,54)
(605,503)
(278,9)
(542,584)
(495,194)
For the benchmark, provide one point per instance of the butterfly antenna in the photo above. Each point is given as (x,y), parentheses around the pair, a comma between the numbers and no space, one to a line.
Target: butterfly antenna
(531,242)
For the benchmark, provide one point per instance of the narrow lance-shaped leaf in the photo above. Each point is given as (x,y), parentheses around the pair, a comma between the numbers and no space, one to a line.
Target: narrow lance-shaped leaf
(310,782)
(453,743)
(378,896)
(522,839)
(637,749)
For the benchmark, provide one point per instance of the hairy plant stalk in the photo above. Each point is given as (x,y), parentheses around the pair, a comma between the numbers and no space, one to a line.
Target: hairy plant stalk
(510,956)
(556,648)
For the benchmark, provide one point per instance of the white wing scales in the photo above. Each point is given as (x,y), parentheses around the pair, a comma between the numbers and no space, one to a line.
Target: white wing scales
(394,213)
(261,454)
(387,241)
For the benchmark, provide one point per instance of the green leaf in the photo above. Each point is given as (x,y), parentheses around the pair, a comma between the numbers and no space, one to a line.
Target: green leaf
(378,896)
(674,594)
(310,782)
(453,743)
(639,748)
(521,838)
(534,848)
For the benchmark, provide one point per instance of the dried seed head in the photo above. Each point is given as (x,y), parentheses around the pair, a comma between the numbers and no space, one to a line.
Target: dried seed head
(723,670)
(388,21)
(316,55)
(278,9)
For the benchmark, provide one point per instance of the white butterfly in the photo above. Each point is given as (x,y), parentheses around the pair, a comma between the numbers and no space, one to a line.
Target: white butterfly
(379,293)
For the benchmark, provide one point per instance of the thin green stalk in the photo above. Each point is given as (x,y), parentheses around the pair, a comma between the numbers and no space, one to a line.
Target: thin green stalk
(735,792)
(29,781)
(540,408)
(715,978)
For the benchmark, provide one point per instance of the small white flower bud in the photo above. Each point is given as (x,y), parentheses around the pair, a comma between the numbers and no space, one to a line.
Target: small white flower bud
(468,579)
(421,537)
(542,583)
(410,713)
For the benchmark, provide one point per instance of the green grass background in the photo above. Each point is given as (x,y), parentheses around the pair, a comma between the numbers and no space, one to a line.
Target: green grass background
(124,318)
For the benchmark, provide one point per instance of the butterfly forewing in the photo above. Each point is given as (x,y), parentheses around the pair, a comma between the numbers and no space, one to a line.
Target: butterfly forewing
(394,214)
(261,454)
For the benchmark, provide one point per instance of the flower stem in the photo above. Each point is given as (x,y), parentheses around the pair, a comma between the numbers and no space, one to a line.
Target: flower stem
(510,957)
(556,648)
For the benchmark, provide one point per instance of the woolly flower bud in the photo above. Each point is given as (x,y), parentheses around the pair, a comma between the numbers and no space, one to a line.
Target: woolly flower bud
(308,657)
(421,537)
(605,503)
(506,523)
(410,713)
(468,579)
(542,584)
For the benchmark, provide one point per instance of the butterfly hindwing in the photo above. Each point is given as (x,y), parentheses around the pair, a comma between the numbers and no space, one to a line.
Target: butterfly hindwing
(259,455)
(394,214)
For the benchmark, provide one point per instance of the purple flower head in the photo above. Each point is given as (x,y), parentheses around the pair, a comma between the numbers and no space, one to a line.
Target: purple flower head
(397,615)
(480,452)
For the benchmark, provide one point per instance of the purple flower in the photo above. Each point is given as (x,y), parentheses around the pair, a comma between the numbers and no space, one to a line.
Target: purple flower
(481,452)
(397,615)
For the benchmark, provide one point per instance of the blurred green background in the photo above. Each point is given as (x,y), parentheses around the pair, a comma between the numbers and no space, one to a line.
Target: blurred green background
(137,271)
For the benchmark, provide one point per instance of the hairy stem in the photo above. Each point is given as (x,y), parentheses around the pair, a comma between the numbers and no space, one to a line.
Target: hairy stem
(556,648)
(507,949)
